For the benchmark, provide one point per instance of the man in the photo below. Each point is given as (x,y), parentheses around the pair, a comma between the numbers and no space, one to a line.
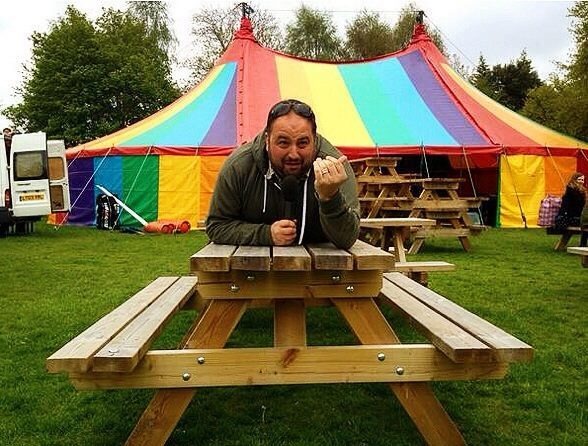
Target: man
(253,201)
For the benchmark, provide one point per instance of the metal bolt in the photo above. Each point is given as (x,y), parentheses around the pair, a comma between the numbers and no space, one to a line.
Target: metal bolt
(234,288)
(399,371)
(250,277)
(200,360)
(186,376)
(113,351)
(381,356)
(336,279)
(350,289)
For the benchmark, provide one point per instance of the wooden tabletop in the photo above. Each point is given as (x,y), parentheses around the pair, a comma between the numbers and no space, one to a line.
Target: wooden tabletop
(396,222)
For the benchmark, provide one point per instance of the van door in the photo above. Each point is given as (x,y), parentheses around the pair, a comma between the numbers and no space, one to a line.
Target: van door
(58,179)
(29,182)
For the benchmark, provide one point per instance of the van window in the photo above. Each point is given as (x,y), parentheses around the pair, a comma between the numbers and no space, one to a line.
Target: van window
(30,166)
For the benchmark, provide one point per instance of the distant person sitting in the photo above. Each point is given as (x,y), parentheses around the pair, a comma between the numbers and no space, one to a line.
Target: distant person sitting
(572,202)
(7,134)
(288,186)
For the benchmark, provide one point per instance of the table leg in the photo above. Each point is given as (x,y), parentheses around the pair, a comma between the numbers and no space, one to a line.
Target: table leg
(211,330)
(464,240)
(419,401)
(289,323)
(398,245)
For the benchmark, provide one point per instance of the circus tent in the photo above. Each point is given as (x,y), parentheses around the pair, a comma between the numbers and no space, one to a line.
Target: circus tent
(408,103)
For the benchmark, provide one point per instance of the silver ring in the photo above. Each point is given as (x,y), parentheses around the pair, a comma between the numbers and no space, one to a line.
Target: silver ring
(324,171)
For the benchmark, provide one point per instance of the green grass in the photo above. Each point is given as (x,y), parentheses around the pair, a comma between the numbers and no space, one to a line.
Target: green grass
(54,284)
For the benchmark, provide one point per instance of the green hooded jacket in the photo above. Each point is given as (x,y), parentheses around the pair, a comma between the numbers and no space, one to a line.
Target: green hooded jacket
(248,198)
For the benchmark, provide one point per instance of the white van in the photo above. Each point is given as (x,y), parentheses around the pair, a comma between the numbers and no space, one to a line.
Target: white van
(33,181)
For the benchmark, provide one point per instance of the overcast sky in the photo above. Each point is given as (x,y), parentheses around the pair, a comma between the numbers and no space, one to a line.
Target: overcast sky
(498,29)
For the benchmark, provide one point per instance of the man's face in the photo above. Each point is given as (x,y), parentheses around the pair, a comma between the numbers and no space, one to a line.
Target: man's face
(290,144)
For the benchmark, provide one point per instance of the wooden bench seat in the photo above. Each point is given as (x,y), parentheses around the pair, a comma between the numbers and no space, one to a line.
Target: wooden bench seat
(419,270)
(581,251)
(423,266)
(119,340)
(566,235)
(459,334)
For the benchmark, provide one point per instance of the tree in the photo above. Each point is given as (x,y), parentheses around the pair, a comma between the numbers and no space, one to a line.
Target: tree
(153,14)
(508,83)
(563,102)
(84,81)
(213,30)
(313,35)
(368,36)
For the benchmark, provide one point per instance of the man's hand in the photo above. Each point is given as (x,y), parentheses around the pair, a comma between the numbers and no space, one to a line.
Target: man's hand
(283,232)
(329,174)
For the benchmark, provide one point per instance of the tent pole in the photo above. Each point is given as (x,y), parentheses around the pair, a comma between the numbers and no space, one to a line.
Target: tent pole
(472,183)
(128,195)
(425,158)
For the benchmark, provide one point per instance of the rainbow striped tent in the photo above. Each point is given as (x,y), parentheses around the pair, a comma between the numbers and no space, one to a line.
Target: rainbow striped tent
(406,103)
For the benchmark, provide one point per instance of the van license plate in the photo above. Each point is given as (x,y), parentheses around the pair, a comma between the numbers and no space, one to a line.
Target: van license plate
(34,197)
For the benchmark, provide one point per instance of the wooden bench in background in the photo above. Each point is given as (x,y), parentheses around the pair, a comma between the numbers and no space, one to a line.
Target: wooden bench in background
(566,236)
(581,251)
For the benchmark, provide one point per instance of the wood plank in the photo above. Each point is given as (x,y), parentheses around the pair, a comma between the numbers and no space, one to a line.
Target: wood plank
(212,257)
(211,330)
(396,222)
(579,250)
(289,278)
(442,232)
(127,348)
(387,179)
(418,266)
(290,258)
(507,347)
(252,258)
(289,324)
(76,355)
(417,398)
(327,256)
(456,343)
(291,365)
(295,288)
(367,257)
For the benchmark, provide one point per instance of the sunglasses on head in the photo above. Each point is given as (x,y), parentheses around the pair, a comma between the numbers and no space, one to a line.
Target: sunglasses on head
(282,108)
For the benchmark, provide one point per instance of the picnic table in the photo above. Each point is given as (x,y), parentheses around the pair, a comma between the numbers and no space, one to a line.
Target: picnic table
(393,232)
(581,251)
(379,185)
(439,200)
(116,353)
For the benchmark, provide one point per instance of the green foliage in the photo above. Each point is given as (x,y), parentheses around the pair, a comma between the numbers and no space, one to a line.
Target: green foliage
(313,35)
(563,103)
(88,80)
(213,30)
(508,83)
(153,14)
(55,284)
(368,36)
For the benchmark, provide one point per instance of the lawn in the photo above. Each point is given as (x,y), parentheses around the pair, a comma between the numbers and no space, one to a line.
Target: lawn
(55,283)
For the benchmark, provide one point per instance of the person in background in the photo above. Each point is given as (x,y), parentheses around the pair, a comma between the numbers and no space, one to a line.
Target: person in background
(7,134)
(288,186)
(572,202)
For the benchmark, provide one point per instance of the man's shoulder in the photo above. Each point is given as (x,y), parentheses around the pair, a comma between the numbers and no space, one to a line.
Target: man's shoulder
(326,148)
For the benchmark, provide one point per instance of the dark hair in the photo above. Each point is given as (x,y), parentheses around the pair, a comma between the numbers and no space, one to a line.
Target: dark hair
(284,107)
